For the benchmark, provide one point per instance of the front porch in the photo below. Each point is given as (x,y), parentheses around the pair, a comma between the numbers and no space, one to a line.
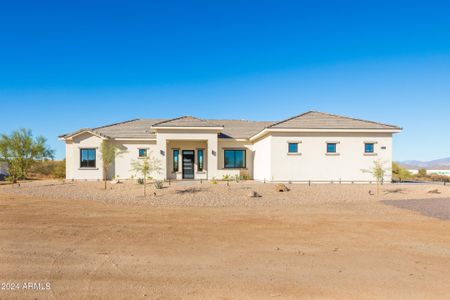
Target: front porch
(187,160)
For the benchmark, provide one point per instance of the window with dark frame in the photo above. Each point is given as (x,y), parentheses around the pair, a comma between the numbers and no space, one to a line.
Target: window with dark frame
(176,155)
(292,147)
(142,152)
(331,147)
(369,148)
(234,159)
(200,159)
(87,158)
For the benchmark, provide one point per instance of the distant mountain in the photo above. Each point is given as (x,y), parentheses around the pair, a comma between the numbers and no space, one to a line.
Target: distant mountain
(438,164)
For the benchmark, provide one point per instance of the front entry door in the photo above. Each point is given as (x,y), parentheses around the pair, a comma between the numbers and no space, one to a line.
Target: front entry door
(188,164)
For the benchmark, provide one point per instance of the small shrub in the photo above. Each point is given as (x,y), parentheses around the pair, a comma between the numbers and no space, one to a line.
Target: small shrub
(214,181)
(245,177)
(140,180)
(236,178)
(226,177)
(158,184)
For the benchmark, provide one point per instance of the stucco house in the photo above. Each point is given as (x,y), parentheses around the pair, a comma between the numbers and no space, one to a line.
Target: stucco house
(312,146)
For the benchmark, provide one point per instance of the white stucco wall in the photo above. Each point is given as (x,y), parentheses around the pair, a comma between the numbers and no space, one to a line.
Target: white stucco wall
(225,144)
(266,159)
(262,159)
(73,170)
(314,164)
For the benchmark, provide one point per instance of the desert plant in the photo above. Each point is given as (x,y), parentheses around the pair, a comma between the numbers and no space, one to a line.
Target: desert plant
(422,173)
(140,181)
(245,177)
(158,184)
(59,170)
(236,178)
(226,177)
(109,152)
(20,151)
(378,172)
(145,167)
(214,180)
(399,173)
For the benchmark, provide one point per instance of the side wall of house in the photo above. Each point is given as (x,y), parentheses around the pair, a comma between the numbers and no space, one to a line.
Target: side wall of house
(262,159)
(73,170)
(313,162)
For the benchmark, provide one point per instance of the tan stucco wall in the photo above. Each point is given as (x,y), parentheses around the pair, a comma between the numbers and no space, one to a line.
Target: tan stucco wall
(186,145)
(73,170)
(233,144)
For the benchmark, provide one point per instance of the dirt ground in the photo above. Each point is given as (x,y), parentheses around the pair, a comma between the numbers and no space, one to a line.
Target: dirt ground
(343,249)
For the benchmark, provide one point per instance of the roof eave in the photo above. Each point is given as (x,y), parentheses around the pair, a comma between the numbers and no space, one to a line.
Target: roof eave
(342,130)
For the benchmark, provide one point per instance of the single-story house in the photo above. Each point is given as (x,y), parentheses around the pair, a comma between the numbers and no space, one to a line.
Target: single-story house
(312,146)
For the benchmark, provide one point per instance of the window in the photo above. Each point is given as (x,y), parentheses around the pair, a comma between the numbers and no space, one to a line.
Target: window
(331,147)
(200,159)
(142,152)
(176,155)
(369,148)
(234,159)
(292,147)
(87,158)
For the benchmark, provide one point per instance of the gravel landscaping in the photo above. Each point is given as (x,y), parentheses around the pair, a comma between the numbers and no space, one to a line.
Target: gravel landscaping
(193,193)
(435,208)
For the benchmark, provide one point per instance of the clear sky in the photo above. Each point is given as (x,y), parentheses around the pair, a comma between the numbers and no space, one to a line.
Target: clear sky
(69,65)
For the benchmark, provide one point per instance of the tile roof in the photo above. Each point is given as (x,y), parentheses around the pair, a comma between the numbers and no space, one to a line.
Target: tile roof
(320,120)
(237,129)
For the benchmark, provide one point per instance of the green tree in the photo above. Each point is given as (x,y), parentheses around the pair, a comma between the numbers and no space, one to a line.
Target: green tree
(378,172)
(145,167)
(400,173)
(422,173)
(109,152)
(20,151)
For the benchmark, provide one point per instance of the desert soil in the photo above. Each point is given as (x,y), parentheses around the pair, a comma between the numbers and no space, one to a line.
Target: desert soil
(319,242)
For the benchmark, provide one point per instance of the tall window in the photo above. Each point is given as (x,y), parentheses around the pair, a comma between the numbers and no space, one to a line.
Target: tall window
(369,147)
(176,155)
(200,159)
(234,158)
(142,152)
(87,158)
(293,147)
(331,147)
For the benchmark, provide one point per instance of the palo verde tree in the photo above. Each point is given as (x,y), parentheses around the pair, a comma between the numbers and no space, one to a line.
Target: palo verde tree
(20,150)
(109,152)
(378,172)
(145,167)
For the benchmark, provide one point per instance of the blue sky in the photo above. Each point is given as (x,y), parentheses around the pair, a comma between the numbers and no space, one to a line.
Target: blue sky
(67,65)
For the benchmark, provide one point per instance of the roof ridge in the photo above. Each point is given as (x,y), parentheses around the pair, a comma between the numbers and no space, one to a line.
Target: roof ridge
(169,120)
(118,123)
(291,118)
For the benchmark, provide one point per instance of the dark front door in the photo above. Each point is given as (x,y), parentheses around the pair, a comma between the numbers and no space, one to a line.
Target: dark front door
(188,164)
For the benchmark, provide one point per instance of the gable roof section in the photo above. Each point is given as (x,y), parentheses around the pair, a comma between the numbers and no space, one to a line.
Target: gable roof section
(320,120)
(186,121)
(132,129)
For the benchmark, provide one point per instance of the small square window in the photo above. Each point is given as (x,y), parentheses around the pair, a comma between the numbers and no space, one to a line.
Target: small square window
(142,152)
(293,147)
(369,147)
(331,147)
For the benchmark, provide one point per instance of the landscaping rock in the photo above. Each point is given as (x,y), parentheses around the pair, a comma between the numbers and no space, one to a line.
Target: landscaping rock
(254,194)
(281,188)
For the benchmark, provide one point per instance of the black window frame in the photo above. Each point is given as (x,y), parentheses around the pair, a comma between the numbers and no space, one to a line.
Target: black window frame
(234,166)
(142,149)
(200,162)
(175,162)
(88,166)
(335,148)
(289,147)
(365,148)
